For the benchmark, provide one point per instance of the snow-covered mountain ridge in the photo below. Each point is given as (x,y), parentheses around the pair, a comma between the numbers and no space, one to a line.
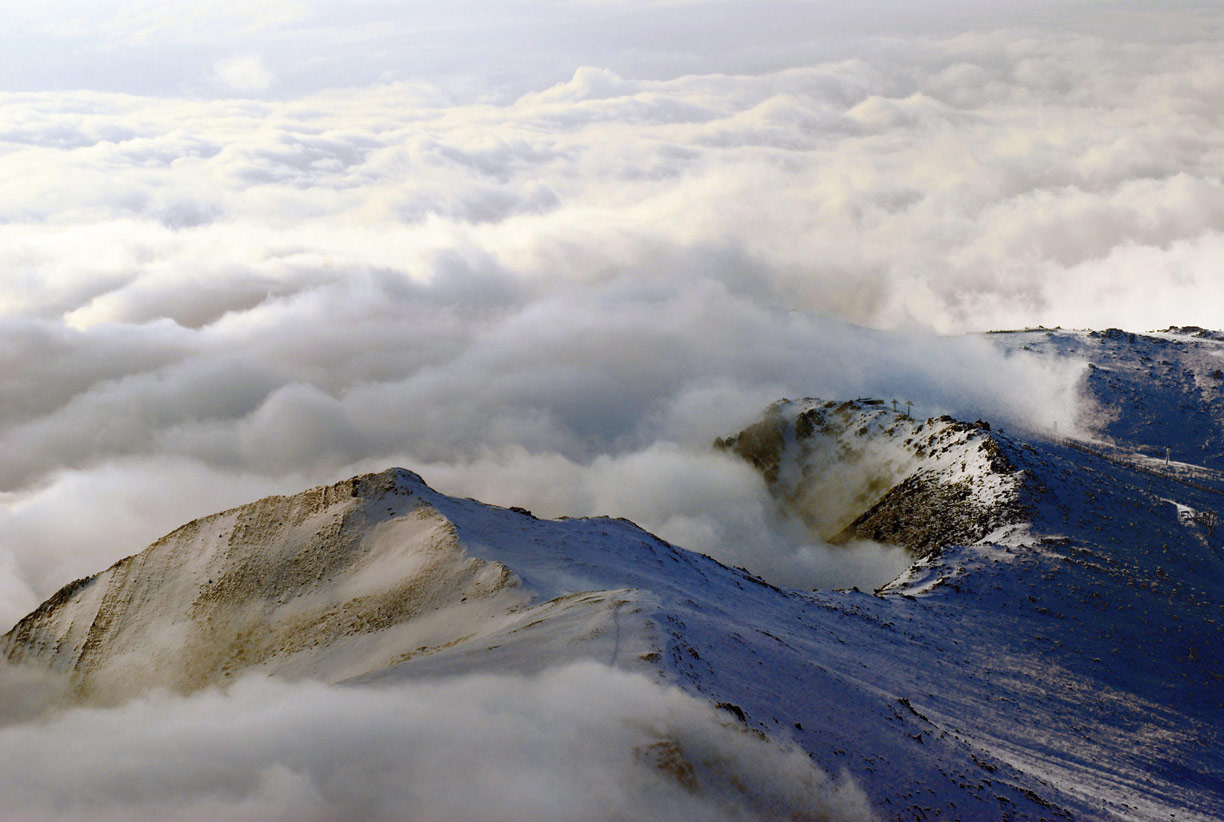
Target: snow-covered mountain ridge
(332,583)
(1056,652)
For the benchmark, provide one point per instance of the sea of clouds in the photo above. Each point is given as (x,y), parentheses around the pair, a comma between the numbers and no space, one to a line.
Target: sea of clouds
(544,254)
(577,741)
(557,297)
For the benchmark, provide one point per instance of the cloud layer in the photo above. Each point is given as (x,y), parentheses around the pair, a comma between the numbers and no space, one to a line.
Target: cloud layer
(985,180)
(605,401)
(558,298)
(543,254)
(580,741)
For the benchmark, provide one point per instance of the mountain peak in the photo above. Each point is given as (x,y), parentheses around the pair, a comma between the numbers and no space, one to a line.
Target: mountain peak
(293,584)
(861,469)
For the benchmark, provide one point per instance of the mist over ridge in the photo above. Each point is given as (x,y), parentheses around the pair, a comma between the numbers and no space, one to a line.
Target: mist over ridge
(545,255)
(249,288)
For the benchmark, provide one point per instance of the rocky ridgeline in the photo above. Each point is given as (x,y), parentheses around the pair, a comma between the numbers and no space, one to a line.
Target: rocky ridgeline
(862,470)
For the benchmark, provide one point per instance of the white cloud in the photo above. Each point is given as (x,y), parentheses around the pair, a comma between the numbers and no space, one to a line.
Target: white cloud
(293,288)
(579,741)
(951,183)
(244,73)
(543,254)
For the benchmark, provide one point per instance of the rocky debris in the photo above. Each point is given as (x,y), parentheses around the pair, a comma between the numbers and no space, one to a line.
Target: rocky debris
(1193,331)
(668,757)
(1114,334)
(924,514)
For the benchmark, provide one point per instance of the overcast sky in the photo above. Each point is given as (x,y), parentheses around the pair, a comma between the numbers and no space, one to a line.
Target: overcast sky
(159,47)
(543,253)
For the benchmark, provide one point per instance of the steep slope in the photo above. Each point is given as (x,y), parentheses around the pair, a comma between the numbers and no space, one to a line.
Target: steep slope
(1065,644)
(1075,660)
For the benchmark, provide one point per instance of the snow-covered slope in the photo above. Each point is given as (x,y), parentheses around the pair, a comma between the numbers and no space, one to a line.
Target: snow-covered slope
(1056,652)
(1068,663)
(1146,392)
(1069,624)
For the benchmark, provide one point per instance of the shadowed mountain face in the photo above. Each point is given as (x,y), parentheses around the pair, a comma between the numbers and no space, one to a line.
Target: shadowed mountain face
(1055,651)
